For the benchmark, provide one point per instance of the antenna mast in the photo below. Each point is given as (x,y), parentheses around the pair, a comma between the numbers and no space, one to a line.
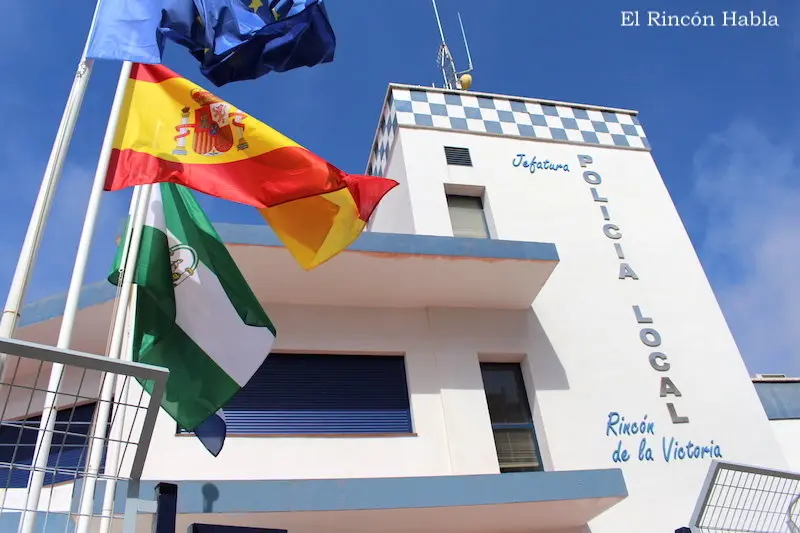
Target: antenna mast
(453,79)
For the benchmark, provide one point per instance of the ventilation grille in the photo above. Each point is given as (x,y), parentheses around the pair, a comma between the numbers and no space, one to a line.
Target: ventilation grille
(457,156)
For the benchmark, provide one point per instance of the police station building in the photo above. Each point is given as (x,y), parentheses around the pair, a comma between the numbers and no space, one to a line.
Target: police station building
(523,340)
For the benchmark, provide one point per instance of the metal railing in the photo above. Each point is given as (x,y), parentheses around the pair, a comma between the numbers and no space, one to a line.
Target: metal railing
(746,499)
(77,485)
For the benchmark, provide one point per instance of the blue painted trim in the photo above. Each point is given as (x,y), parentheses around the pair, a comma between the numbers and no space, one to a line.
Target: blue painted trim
(261,496)
(45,522)
(390,243)
(53,307)
(398,243)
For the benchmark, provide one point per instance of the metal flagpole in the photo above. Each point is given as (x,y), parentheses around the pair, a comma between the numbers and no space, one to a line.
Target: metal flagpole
(48,419)
(139,206)
(113,460)
(41,209)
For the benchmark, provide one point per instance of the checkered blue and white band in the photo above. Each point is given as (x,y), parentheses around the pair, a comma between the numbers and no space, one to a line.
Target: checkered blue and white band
(500,115)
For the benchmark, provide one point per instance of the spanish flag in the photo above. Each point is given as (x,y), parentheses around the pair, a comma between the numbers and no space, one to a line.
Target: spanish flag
(172,130)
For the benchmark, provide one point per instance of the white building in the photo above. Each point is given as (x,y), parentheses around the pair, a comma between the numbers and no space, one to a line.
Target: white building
(524,341)
(780,397)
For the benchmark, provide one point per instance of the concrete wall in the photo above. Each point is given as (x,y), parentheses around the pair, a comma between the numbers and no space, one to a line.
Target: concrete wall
(395,213)
(442,347)
(788,434)
(597,362)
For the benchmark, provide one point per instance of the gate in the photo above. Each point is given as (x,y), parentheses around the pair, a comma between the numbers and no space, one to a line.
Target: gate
(745,499)
(72,489)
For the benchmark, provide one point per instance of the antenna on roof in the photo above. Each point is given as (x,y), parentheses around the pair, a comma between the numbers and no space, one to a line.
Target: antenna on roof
(453,79)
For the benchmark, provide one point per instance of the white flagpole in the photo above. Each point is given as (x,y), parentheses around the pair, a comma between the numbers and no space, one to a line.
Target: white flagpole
(140,205)
(48,419)
(112,463)
(41,209)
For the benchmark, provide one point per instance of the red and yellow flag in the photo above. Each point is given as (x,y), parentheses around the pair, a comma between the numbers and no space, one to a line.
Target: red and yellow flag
(172,130)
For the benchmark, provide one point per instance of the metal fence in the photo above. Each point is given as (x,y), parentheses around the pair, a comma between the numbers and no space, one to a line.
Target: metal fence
(746,499)
(98,425)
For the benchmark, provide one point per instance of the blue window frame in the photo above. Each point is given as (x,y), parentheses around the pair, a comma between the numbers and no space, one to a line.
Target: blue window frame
(303,394)
(510,414)
(68,451)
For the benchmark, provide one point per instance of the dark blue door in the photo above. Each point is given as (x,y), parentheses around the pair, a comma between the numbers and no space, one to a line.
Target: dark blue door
(212,528)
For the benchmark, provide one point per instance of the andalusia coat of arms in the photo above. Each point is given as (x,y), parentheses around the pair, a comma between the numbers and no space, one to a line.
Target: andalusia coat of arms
(217,126)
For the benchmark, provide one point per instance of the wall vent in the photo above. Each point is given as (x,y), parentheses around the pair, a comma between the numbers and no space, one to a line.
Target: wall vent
(457,156)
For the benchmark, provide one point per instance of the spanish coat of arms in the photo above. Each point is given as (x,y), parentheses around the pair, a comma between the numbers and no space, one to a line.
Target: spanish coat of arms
(217,126)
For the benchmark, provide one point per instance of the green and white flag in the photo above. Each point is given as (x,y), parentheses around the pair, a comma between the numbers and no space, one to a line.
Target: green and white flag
(195,313)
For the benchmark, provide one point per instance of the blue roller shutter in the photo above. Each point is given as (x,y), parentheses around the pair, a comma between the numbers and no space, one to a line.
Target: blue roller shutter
(67,453)
(304,394)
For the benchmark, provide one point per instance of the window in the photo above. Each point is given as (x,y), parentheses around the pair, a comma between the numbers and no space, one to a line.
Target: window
(467,216)
(457,156)
(68,450)
(510,413)
(781,399)
(301,394)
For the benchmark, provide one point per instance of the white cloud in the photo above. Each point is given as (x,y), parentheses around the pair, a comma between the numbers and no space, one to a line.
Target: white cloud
(748,186)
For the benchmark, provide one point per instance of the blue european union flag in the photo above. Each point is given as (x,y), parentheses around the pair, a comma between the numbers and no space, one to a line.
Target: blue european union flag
(232,39)
(295,33)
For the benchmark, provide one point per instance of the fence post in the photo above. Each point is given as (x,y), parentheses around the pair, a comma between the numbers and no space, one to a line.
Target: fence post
(166,508)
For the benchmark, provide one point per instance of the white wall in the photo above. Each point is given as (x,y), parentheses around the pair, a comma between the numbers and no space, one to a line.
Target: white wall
(788,434)
(27,382)
(53,499)
(597,363)
(450,417)
(394,213)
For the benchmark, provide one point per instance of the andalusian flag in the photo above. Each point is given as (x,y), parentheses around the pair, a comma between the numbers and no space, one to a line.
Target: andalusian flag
(171,130)
(195,313)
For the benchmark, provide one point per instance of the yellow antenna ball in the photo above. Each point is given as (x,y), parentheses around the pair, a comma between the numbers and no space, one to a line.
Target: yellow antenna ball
(466,81)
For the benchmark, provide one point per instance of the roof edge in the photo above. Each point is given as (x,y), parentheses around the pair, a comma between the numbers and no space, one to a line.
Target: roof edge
(100,292)
(510,97)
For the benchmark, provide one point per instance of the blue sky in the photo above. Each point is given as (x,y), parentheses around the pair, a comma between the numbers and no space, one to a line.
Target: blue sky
(718,105)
